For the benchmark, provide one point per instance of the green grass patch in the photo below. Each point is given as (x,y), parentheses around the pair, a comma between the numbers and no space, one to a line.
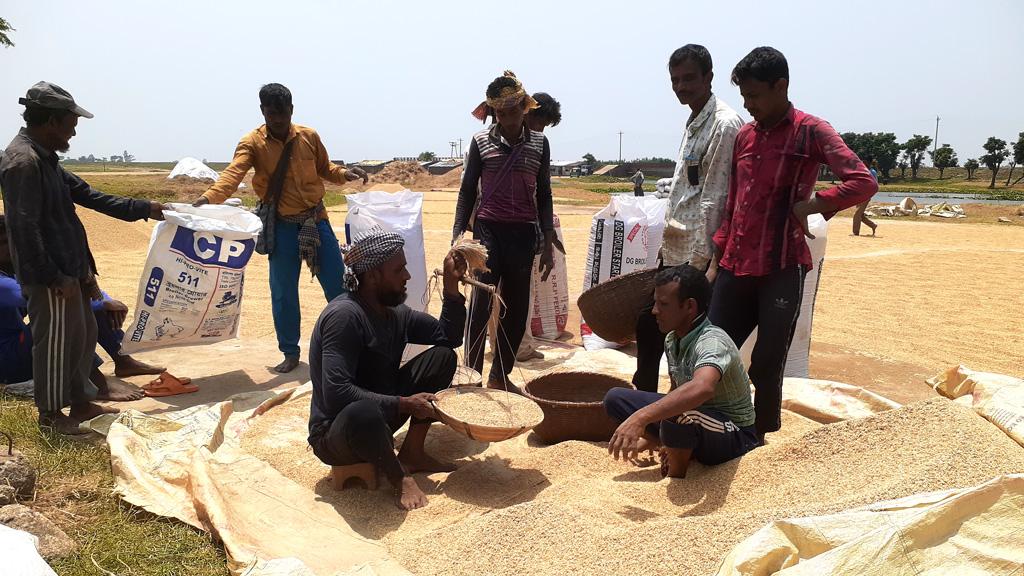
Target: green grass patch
(75,490)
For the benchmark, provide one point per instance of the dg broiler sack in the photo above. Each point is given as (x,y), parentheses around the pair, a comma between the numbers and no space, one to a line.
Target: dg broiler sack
(191,289)
(625,237)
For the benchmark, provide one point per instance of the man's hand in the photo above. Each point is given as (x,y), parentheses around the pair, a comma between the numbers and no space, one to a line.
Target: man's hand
(355,173)
(547,259)
(66,286)
(712,272)
(117,313)
(626,439)
(418,405)
(200,202)
(156,210)
(92,288)
(801,210)
(454,270)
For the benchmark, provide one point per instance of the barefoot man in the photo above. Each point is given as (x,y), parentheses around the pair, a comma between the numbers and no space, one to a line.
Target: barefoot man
(708,414)
(361,394)
(51,256)
(16,336)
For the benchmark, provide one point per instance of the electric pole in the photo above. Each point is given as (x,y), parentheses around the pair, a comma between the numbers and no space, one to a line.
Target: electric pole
(620,146)
(936,142)
(460,146)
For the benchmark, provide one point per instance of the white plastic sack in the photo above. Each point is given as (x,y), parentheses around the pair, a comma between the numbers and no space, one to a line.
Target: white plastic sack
(20,556)
(797,362)
(550,311)
(401,213)
(192,168)
(624,237)
(190,291)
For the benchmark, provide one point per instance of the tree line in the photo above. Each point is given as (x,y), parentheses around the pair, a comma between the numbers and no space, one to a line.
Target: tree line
(890,154)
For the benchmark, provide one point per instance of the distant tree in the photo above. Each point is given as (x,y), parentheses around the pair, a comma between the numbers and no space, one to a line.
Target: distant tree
(5,27)
(915,149)
(115,158)
(971,165)
(127,158)
(90,158)
(996,154)
(1017,158)
(590,159)
(944,158)
(427,156)
(882,146)
(903,164)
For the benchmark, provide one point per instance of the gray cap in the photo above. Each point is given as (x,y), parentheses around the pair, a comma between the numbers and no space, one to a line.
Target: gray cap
(46,95)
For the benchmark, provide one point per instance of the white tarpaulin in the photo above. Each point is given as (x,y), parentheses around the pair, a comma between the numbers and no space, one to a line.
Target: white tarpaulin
(19,554)
(193,168)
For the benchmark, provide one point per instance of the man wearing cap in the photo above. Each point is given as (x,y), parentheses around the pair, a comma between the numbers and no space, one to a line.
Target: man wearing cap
(290,163)
(51,256)
(361,393)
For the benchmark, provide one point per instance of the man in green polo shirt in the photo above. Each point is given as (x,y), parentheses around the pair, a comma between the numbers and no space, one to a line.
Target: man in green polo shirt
(708,413)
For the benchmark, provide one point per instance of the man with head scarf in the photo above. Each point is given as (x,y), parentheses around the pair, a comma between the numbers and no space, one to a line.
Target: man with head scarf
(361,393)
(508,168)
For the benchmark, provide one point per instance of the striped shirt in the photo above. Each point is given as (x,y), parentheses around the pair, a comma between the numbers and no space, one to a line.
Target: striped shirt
(513,192)
(709,345)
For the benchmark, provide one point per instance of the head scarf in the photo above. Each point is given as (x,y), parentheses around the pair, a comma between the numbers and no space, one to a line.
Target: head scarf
(509,96)
(367,253)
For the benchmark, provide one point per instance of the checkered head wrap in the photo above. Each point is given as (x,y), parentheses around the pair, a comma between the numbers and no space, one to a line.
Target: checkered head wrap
(368,252)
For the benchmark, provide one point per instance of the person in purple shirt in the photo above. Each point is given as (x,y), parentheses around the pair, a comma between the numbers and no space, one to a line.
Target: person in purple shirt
(16,338)
(505,199)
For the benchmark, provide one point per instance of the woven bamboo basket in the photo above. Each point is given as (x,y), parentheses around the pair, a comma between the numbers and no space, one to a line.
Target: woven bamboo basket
(526,415)
(573,405)
(612,307)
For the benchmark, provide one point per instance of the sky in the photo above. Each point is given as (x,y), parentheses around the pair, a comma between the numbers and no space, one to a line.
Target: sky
(382,79)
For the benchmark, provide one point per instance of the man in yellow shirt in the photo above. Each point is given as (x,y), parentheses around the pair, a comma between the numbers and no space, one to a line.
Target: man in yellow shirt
(300,231)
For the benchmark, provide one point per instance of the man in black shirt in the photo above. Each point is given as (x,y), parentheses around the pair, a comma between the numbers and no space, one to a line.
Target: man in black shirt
(361,393)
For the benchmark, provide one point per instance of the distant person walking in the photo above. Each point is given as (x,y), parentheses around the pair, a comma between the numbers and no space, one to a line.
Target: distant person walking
(290,164)
(638,183)
(859,216)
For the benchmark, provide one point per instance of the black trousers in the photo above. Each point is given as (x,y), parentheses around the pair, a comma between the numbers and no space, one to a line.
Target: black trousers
(510,251)
(771,304)
(362,432)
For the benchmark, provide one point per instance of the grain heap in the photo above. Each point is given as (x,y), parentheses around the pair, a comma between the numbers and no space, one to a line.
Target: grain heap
(405,173)
(491,408)
(512,508)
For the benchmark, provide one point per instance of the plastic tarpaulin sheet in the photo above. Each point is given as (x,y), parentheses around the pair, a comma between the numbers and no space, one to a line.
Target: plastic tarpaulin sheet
(972,531)
(187,465)
(997,397)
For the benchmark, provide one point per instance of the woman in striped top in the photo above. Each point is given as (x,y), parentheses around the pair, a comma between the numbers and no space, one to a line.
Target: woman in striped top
(505,199)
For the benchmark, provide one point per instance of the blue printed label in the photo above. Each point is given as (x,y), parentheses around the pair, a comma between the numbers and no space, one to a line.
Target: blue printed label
(208,248)
(156,278)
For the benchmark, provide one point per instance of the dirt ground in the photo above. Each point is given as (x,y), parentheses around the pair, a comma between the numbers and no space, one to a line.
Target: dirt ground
(892,309)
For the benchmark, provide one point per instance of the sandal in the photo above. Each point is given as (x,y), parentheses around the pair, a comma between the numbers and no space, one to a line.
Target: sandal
(168,385)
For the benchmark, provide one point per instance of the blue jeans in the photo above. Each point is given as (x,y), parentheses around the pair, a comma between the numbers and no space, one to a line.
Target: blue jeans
(285,267)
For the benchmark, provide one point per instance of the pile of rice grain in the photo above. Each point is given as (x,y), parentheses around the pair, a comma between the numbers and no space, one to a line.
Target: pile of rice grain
(490,408)
(513,508)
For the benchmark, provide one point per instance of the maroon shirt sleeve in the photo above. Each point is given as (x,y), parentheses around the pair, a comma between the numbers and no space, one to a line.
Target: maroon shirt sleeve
(857,183)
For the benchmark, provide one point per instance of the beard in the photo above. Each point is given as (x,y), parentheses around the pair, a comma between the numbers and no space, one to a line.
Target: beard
(392,299)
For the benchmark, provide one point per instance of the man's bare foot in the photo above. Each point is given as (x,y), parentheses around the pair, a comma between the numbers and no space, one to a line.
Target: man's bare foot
(125,366)
(873,228)
(89,410)
(674,462)
(290,363)
(61,424)
(531,355)
(410,497)
(119,392)
(423,463)
(498,385)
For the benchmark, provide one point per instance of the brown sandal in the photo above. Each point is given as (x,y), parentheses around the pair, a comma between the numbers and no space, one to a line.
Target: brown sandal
(168,385)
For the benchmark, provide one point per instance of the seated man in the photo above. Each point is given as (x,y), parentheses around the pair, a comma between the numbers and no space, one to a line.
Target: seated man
(361,394)
(708,414)
(16,338)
